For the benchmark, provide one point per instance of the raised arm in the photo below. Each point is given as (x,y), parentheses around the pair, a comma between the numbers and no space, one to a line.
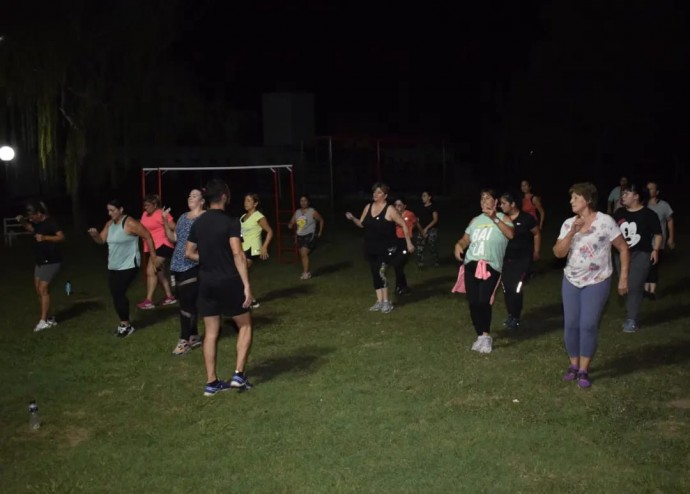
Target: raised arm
(100,238)
(358,221)
(25,223)
(169,226)
(562,246)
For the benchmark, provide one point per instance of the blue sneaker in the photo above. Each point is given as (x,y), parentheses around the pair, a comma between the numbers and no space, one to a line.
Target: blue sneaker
(212,388)
(239,381)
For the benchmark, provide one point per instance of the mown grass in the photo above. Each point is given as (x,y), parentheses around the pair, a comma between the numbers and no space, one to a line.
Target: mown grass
(345,400)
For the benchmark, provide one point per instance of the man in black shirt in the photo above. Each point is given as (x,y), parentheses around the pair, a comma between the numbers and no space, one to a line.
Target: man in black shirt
(47,235)
(215,242)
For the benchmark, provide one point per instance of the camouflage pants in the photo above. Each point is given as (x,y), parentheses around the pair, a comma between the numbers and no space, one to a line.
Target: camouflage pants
(427,244)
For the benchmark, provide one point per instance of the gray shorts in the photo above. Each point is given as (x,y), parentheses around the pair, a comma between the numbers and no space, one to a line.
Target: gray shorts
(46,272)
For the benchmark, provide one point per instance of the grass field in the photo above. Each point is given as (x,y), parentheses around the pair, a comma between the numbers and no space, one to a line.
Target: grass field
(345,400)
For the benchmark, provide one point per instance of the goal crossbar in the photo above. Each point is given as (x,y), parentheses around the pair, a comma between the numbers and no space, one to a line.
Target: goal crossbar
(160,170)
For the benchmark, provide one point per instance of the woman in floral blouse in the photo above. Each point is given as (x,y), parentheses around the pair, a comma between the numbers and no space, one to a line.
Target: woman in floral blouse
(586,239)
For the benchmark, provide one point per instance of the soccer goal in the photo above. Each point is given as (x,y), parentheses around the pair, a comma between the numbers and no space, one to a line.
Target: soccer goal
(283,178)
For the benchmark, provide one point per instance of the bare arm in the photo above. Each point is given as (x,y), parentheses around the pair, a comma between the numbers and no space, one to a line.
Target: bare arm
(25,223)
(622,247)
(537,242)
(241,264)
(319,218)
(191,252)
(671,240)
(263,223)
(562,246)
(461,246)
(291,224)
(100,238)
(134,227)
(393,215)
(358,221)
(434,222)
(169,226)
(537,204)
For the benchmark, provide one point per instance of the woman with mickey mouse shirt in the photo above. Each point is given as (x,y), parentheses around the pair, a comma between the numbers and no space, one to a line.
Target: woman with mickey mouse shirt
(641,230)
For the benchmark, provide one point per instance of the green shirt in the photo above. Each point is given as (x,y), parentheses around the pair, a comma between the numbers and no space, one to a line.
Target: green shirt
(487,242)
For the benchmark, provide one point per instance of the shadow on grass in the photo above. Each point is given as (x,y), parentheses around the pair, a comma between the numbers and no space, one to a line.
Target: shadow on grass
(646,358)
(78,308)
(332,268)
(144,319)
(293,291)
(229,328)
(537,322)
(427,289)
(304,360)
(668,314)
(679,286)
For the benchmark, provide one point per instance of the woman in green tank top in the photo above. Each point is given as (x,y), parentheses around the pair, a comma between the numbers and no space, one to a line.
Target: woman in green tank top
(122,233)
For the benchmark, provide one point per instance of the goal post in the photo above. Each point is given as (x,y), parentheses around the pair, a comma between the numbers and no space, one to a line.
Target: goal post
(280,212)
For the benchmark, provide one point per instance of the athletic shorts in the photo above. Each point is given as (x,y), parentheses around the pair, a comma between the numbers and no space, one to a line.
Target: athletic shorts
(164,251)
(308,241)
(46,272)
(224,297)
(248,255)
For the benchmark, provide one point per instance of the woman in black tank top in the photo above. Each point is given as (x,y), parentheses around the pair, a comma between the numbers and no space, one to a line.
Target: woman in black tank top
(378,220)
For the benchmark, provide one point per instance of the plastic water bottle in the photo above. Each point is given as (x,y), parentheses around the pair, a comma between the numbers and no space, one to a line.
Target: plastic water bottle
(34,417)
(68,288)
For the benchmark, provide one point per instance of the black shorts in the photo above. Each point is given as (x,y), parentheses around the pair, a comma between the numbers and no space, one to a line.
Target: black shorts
(248,255)
(308,241)
(164,251)
(224,297)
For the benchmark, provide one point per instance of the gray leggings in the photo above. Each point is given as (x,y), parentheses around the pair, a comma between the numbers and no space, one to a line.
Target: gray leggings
(637,275)
(582,309)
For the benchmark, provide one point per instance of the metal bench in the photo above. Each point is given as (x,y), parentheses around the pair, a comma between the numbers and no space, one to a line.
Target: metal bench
(11,228)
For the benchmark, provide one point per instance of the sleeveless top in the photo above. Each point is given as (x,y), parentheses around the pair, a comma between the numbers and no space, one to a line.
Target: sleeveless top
(528,206)
(123,248)
(154,224)
(306,224)
(179,262)
(379,233)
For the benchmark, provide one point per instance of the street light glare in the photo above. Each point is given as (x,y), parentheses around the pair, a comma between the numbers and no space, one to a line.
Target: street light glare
(6,153)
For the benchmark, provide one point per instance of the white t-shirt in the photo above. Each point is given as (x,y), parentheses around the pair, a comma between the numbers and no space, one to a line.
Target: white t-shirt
(615,198)
(589,259)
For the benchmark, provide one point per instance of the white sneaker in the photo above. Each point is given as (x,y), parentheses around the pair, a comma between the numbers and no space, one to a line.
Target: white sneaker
(51,322)
(386,306)
(486,344)
(477,343)
(41,326)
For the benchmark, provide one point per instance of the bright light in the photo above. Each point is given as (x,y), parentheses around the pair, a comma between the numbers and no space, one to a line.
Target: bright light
(6,153)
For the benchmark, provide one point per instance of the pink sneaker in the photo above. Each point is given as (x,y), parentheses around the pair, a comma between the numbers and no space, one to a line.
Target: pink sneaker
(146,305)
(169,301)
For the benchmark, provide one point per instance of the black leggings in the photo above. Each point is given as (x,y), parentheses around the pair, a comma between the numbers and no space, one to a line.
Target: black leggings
(118,282)
(378,264)
(187,290)
(399,261)
(479,294)
(513,277)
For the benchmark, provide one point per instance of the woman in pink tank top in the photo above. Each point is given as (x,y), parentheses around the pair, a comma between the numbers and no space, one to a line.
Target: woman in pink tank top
(531,204)
(152,219)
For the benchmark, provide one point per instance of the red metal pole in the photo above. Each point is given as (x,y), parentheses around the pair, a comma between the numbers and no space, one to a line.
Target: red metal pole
(292,195)
(275,196)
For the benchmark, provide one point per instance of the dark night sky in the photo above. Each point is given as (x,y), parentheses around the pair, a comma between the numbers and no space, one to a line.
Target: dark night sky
(395,63)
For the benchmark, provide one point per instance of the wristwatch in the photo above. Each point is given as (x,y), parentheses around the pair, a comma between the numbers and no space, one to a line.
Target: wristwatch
(496,220)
